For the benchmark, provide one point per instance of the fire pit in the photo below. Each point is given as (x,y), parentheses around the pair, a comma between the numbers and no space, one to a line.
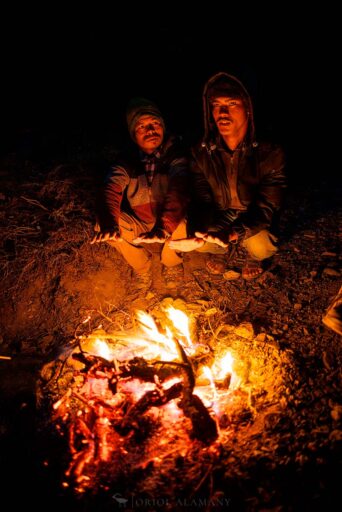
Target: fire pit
(127,401)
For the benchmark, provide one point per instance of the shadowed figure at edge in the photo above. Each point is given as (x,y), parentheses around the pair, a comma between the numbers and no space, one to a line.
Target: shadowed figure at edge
(146,194)
(237,182)
(332,317)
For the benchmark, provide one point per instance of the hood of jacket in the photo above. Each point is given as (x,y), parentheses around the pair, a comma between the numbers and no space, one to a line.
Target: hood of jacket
(224,84)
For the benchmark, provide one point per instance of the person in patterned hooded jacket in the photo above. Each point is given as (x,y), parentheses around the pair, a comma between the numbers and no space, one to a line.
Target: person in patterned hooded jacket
(146,195)
(237,181)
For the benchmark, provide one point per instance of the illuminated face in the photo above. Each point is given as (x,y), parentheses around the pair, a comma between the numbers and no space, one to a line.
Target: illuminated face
(230,116)
(149,133)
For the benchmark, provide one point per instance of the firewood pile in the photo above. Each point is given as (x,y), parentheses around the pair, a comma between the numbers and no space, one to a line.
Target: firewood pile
(167,396)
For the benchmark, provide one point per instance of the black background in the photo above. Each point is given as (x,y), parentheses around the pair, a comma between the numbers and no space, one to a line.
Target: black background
(70,73)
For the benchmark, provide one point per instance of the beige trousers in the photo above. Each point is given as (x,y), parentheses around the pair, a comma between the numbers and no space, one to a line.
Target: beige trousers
(138,256)
(261,246)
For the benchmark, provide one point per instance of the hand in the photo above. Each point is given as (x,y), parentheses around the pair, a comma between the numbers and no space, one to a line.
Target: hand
(186,244)
(156,235)
(214,237)
(105,235)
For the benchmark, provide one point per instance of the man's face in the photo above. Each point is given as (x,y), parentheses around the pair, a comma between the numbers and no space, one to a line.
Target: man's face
(149,133)
(230,116)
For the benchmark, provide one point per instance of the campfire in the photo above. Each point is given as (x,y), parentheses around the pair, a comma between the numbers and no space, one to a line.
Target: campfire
(130,398)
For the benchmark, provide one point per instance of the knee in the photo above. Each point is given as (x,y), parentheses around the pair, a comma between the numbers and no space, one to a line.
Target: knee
(261,246)
(170,258)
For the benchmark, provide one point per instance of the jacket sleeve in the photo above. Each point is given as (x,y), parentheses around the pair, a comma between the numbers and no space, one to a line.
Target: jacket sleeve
(268,199)
(177,196)
(109,209)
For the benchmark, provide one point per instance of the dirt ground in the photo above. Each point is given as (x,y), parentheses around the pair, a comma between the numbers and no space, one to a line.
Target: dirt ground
(285,457)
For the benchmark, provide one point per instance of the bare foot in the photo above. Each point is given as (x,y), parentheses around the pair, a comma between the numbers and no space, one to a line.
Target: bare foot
(252,269)
(215,266)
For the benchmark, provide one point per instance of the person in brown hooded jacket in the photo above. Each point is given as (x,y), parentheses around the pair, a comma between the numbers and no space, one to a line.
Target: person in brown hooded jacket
(146,195)
(238,182)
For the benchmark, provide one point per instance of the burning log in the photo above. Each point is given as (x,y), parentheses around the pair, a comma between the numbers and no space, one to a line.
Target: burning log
(155,398)
(102,434)
(111,409)
(80,460)
(204,427)
(140,368)
(139,408)
(91,361)
(109,416)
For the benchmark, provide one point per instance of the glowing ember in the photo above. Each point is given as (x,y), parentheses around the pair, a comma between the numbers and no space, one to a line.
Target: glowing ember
(142,380)
(206,389)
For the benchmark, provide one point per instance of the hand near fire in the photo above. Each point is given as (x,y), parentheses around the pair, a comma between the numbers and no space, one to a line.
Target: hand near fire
(106,235)
(213,237)
(221,238)
(186,244)
(156,235)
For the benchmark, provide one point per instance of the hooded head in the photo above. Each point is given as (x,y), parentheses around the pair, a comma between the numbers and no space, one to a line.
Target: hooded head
(138,107)
(225,85)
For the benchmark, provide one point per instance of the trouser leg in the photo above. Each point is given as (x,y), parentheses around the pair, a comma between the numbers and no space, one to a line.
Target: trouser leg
(138,257)
(261,246)
(170,257)
(212,248)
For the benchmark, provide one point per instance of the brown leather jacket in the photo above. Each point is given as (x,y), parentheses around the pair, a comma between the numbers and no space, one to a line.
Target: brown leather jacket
(240,190)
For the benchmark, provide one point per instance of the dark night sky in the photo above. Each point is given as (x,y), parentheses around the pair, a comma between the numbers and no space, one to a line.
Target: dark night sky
(64,72)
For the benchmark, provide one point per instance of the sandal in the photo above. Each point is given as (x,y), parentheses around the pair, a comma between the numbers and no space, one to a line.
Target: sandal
(251,269)
(215,266)
(173,276)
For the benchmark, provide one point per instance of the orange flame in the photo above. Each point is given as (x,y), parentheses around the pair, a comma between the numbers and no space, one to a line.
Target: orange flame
(181,323)
(166,348)
(224,366)
(102,349)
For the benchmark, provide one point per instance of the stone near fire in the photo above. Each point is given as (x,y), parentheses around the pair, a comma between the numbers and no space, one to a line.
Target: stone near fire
(245,330)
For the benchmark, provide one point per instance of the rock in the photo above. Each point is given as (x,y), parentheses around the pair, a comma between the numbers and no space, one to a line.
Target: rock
(335,435)
(331,272)
(328,360)
(245,330)
(211,311)
(261,336)
(336,413)
(230,275)
(329,254)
